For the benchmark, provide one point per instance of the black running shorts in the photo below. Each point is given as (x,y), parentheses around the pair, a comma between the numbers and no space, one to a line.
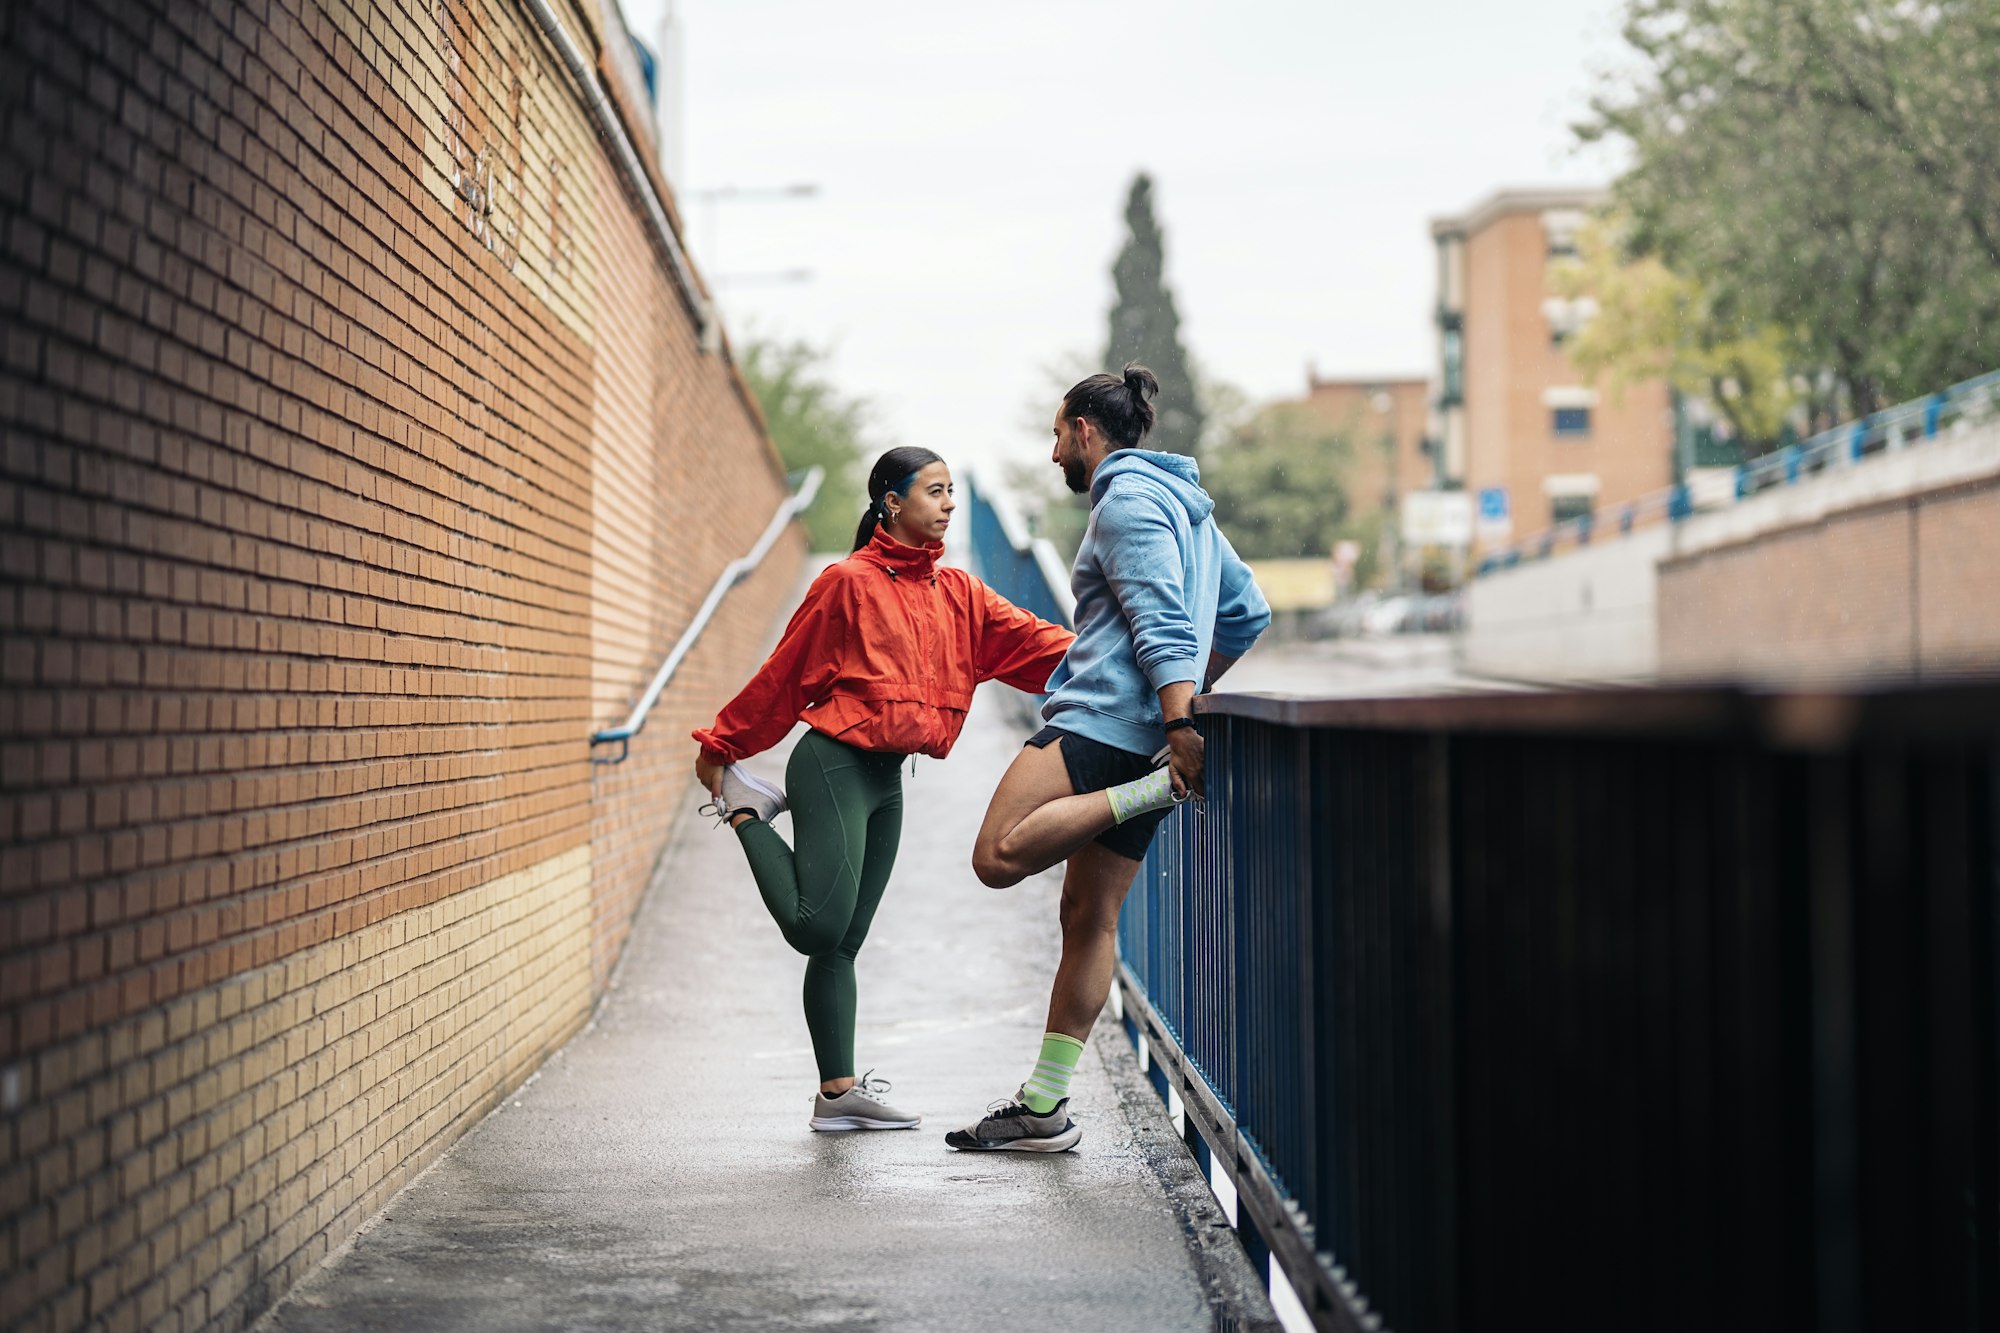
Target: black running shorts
(1093,766)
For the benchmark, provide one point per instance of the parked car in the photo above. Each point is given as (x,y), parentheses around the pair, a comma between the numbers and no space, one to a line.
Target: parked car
(1387,616)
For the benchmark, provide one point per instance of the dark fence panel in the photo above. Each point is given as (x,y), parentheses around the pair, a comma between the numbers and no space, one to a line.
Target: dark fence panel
(1649,1012)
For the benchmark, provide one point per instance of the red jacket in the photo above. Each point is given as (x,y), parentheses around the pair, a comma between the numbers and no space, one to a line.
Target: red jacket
(883,655)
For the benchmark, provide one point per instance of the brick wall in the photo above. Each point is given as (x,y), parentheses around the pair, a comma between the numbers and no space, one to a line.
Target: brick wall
(359,460)
(1898,587)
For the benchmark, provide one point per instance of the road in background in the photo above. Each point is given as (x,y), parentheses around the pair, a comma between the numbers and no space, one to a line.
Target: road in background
(1355,668)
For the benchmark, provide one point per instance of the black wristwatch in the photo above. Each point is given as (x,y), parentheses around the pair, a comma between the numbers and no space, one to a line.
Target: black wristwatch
(1179,723)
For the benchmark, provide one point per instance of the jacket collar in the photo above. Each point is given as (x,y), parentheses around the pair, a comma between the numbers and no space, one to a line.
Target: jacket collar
(914,562)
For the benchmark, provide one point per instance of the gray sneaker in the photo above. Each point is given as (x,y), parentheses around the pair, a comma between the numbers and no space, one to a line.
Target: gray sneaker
(744,790)
(860,1107)
(1009,1126)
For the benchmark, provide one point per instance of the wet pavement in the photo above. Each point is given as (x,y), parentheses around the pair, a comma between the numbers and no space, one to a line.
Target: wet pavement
(658,1173)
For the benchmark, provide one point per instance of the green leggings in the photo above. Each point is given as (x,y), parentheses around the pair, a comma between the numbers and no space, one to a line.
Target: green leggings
(847,817)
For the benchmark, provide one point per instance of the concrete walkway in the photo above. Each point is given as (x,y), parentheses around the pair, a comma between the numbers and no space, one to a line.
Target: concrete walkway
(659,1174)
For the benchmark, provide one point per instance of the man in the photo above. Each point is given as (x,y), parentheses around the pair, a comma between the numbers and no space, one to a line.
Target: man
(1163,605)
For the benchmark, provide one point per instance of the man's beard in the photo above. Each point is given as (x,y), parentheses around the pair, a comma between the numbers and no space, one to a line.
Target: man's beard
(1075,476)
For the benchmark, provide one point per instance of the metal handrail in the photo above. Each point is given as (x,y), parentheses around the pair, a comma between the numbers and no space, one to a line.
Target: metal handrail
(1887,431)
(732,574)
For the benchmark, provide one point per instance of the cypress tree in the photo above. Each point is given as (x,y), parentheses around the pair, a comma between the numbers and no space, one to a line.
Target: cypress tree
(1146,328)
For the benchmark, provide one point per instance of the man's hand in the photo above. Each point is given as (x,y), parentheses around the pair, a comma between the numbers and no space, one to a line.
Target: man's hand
(708,773)
(1185,744)
(1189,757)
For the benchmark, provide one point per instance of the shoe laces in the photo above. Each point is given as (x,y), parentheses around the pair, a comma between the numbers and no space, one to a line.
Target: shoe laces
(867,1085)
(718,808)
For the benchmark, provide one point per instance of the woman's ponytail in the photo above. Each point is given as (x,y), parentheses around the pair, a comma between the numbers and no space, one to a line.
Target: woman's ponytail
(871,519)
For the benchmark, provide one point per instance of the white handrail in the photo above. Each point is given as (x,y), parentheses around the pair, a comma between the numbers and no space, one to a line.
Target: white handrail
(732,574)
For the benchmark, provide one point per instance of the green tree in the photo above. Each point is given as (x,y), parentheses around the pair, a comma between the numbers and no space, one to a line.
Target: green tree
(1036,485)
(1652,323)
(1826,167)
(813,424)
(1278,484)
(1146,327)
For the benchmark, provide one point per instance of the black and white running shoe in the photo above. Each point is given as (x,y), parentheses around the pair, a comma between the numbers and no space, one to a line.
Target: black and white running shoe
(1009,1126)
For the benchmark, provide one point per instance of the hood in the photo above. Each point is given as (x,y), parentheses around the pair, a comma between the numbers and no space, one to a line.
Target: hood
(1178,474)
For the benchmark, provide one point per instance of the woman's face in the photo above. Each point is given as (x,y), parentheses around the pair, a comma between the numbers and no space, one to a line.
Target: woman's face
(924,514)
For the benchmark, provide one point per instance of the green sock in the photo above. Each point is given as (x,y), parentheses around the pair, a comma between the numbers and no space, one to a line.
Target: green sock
(1049,1083)
(1155,791)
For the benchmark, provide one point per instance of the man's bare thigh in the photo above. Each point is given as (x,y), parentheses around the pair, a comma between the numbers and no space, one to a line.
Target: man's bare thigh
(1037,776)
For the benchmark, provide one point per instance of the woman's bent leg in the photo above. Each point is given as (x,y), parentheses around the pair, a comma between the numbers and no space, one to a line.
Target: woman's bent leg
(830,992)
(810,892)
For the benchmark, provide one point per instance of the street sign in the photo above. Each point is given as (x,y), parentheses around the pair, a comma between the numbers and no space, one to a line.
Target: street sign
(1437,518)
(1496,523)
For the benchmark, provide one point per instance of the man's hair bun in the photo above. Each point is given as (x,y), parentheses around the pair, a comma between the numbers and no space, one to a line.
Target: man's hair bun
(1117,404)
(1143,383)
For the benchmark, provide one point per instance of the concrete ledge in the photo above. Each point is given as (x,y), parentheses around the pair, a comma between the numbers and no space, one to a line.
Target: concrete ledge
(1236,1292)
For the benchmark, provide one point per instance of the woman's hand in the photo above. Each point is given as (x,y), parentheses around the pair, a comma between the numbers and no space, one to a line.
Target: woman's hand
(708,773)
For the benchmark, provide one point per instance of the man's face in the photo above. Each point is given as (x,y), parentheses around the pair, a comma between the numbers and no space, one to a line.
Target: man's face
(1068,453)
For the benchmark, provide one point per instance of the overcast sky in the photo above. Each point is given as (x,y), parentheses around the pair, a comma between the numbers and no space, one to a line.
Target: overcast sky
(972,162)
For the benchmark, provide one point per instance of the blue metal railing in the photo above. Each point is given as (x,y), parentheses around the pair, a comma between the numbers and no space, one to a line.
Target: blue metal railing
(1887,431)
(1633,1010)
(1643,1010)
(1027,572)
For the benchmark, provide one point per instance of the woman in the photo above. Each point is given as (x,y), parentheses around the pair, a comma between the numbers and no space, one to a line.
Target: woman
(880,662)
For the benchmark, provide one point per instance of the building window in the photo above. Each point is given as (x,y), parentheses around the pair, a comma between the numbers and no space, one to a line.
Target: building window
(1572,421)
(1559,229)
(1567,318)
(1564,508)
(1454,367)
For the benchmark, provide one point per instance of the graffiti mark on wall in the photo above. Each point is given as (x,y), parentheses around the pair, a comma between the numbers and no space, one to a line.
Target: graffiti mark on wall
(485,177)
(562,232)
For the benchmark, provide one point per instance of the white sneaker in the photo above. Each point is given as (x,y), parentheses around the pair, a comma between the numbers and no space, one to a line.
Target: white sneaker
(860,1107)
(744,790)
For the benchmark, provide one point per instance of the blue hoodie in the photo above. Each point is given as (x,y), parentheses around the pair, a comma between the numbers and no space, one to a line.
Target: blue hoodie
(1157,586)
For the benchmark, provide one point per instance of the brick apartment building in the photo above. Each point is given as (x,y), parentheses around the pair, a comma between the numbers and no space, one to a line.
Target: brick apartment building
(1516,423)
(1385,418)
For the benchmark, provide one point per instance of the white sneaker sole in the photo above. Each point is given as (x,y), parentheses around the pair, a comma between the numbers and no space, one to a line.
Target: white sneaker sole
(840,1124)
(762,788)
(1062,1142)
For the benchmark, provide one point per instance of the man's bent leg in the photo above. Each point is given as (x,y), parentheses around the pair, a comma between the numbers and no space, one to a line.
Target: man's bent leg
(1035,819)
